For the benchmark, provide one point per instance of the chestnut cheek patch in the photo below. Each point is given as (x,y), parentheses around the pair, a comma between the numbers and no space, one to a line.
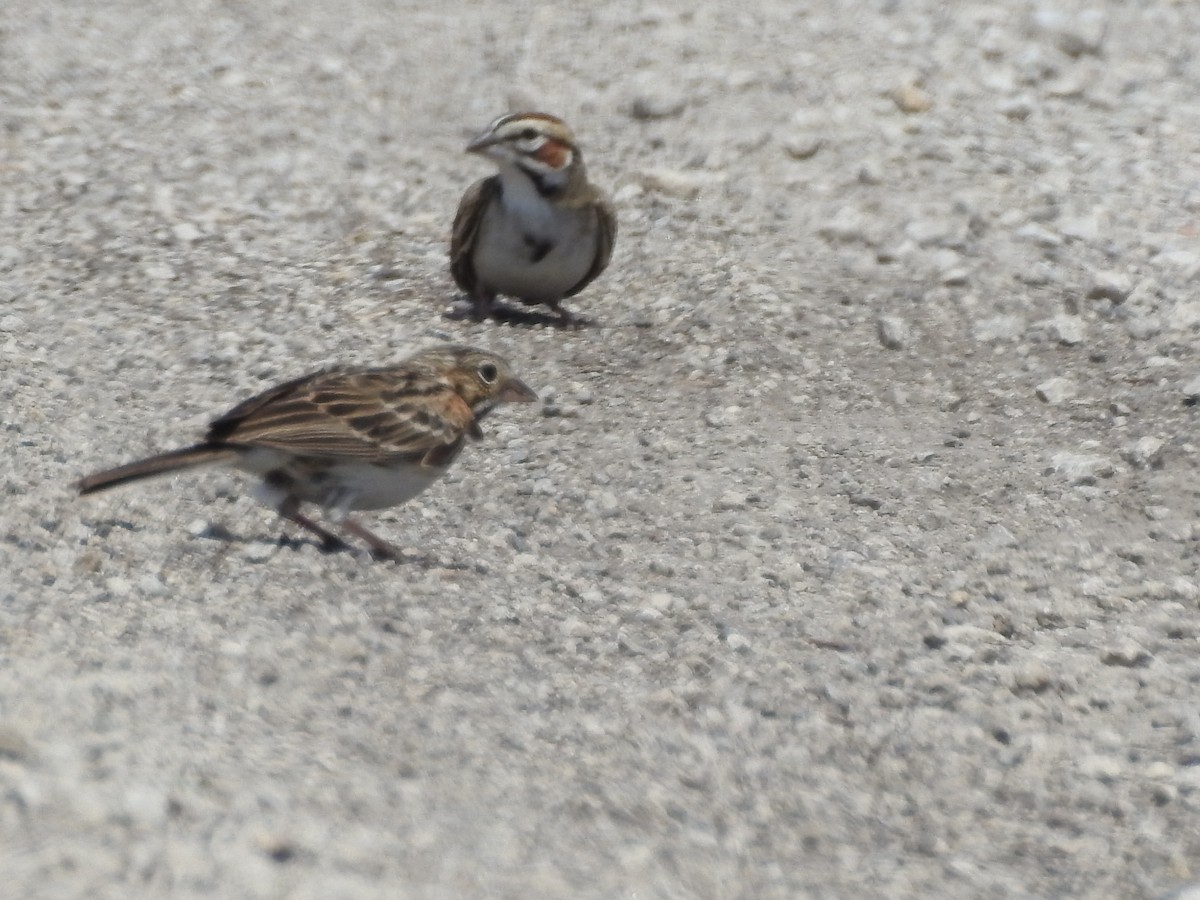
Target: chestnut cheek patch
(553,154)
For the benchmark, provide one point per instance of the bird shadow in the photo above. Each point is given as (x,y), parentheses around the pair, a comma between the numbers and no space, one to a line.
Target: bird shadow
(215,531)
(503,314)
(285,541)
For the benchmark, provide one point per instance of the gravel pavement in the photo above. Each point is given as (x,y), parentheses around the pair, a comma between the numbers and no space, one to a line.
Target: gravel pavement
(852,552)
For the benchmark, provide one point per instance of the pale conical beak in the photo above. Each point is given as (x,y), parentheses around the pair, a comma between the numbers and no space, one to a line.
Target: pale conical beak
(516,391)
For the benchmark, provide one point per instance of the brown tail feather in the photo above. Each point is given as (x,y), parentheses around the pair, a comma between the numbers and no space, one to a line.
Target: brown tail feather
(188,457)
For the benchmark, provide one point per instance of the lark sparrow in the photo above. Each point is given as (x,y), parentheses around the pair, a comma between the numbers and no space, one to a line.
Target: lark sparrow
(349,438)
(538,231)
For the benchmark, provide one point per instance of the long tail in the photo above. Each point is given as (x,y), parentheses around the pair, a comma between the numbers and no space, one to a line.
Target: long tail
(187,458)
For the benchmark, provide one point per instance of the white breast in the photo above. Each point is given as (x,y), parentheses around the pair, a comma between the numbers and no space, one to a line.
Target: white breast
(339,488)
(363,486)
(503,249)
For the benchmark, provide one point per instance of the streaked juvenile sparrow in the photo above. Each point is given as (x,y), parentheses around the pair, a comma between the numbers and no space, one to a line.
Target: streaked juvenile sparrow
(349,438)
(538,231)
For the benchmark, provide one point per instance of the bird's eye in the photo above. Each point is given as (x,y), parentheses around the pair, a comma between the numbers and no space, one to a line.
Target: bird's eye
(488,373)
(529,134)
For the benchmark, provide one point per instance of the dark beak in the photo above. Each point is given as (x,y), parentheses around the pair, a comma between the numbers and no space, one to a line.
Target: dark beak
(516,391)
(482,142)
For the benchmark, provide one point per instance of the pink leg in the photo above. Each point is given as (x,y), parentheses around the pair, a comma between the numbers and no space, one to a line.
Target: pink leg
(290,510)
(380,548)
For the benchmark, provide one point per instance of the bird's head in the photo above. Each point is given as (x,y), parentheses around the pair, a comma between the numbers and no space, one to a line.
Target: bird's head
(540,144)
(484,380)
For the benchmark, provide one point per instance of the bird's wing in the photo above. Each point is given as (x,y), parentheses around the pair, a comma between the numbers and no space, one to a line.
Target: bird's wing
(606,235)
(366,414)
(466,228)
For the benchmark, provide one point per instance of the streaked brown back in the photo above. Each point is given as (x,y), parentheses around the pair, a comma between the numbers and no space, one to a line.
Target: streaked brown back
(368,414)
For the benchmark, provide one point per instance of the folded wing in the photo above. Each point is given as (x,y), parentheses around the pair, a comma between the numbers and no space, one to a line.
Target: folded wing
(376,415)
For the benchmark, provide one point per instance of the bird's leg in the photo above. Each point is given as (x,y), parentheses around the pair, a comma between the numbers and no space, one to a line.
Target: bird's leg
(380,549)
(566,320)
(290,510)
(481,303)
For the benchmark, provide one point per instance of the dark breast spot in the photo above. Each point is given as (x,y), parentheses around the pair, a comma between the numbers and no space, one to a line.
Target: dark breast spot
(279,479)
(538,248)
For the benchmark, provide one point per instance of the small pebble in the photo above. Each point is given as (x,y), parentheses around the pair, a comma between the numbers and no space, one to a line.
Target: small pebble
(607,505)
(1113,286)
(1056,390)
(911,99)
(1033,676)
(930,232)
(893,332)
(1018,108)
(186,233)
(1075,35)
(803,145)
(737,642)
(657,102)
(1040,235)
(1144,453)
(999,328)
(1068,330)
(730,500)
(847,226)
(1081,468)
(258,551)
(1127,654)
(1179,259)
(1102,768)
(673,182)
